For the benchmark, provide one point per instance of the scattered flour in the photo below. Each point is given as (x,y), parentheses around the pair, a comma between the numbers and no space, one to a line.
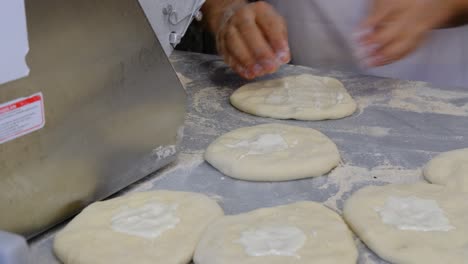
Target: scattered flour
(184,164)
(419,97)
(208,100)
(163,152)
(373,131)
(348,177)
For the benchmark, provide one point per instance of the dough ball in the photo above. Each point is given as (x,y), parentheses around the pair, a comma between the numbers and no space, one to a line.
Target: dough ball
(147,227)
(302,97)
(449,169)
(303,232)
(273,152)
(416,223)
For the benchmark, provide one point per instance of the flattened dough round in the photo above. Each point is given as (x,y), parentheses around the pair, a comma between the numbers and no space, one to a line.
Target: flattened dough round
(449,169)
(309,232)
(404,244)
(91,239)
(273,152)
(302,97)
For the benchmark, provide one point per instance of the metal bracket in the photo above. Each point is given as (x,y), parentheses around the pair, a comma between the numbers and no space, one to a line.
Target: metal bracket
(176,17)
(173,19)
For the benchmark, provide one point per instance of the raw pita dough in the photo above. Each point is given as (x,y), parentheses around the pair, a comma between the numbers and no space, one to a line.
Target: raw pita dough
(91,239)
(403,243)
(450,169)
(303,97)
(307,231)
(273,152)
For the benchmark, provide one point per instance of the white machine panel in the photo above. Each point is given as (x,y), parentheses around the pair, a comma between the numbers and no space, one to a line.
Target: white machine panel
(14,41)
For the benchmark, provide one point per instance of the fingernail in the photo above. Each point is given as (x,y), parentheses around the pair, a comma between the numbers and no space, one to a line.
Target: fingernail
(283,56)
(367,63)
(378,59)
(362,32)
(250,72)
(284,44)
(361,53)
(371,48)
(241,70)
(364,51)
(374,61)
(268,65)
(249,75)
(257,69)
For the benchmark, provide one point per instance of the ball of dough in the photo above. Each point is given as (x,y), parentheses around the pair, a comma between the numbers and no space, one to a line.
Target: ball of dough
(449,169)
(416,223)
(273,152)
(303,232)
(302,97)
(147,227)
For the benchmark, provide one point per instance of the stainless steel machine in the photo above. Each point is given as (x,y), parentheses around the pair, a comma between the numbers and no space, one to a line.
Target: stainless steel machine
(100,108)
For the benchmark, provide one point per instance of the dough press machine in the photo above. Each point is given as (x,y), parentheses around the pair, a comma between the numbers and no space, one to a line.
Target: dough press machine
(89,104)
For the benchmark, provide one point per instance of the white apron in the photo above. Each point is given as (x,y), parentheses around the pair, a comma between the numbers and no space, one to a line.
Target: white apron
(321,35)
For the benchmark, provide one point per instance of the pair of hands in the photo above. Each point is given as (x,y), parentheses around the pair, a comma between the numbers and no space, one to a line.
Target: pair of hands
(252,38)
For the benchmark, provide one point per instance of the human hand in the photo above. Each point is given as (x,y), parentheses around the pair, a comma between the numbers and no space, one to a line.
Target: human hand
(252,38)
(395,28)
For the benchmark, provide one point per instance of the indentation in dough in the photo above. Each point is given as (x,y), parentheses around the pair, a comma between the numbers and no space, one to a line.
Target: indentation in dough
(273,241)
(413,213)
(262,144)
(312,93)
(149,220)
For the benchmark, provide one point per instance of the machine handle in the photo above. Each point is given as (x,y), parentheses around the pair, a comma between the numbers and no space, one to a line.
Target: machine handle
(13,249)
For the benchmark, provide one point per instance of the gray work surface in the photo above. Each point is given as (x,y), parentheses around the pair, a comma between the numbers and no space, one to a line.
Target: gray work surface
(399,127)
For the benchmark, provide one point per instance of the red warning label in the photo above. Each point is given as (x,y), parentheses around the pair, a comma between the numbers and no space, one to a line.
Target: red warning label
(21,117)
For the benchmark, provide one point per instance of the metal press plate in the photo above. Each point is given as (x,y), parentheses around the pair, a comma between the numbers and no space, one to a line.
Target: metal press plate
(400,125)
(113,107)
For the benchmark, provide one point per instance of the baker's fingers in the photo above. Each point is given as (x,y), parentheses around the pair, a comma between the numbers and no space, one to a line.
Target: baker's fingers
(221,40)
(255,37)
(398,48)
(274,29)
(258,47)
(392,53)
(237,48)
(238,68)
(385,34)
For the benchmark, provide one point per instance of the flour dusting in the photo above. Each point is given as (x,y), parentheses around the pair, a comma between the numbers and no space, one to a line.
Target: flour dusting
(420,98)
(208,100)
(373,131)
(163,152)
(184,164)
(262,144)
(348,177)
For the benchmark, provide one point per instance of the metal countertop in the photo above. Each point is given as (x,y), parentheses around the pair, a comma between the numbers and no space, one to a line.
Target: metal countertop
(399,127)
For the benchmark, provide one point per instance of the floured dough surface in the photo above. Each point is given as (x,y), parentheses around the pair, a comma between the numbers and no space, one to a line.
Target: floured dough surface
(302,97)
(147,227)
(303,232)
(449,169)
(416,223)
(273,152)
